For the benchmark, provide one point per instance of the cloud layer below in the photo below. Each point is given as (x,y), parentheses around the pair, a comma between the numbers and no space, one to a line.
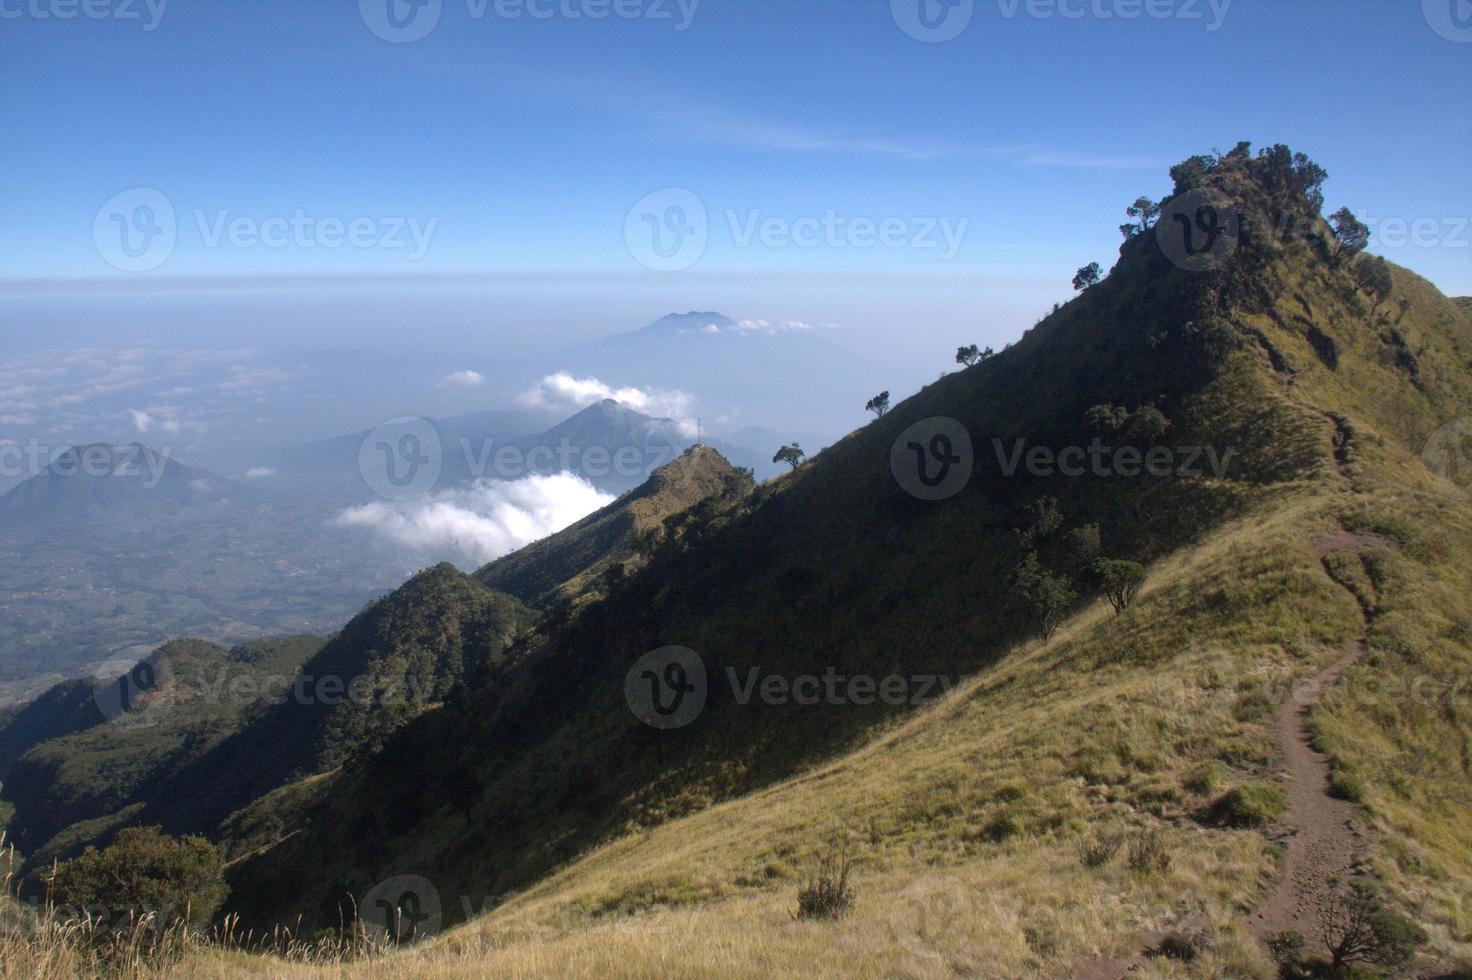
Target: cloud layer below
(477,524)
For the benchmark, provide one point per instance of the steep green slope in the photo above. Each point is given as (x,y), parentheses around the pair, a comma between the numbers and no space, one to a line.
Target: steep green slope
(127,736)
(213,731)
(580,557)
(839,569)
(64,709)
(398,658)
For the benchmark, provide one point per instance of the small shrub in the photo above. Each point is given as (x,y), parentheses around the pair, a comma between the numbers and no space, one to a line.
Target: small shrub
(1011,792)
(1177,946)
(826,894)
(1206,778)
(1147,854)
(1043,938)
(1003,827)
(1100,849)
(1251,805)
(1252,706)
(1287,949)
(1347,786)
(1359,928)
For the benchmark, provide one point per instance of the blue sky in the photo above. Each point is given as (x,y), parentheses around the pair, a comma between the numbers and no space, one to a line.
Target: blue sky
(517,145)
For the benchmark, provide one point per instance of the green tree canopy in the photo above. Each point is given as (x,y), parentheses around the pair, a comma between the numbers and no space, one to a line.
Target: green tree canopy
(1044,595)
(792,455)
(1350,234)
(145,871)
(1087,276)
(1120,581)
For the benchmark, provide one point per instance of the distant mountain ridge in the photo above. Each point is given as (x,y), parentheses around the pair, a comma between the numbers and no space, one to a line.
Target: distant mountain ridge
(102,478)
(570,562)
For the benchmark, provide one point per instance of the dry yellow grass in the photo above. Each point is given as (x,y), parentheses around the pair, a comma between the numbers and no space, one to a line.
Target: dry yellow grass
(966,819)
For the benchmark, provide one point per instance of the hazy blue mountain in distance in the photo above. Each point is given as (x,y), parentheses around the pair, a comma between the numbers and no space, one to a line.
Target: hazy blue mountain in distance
(112,547)
(778,375)
(331,465)
(508,445)
(108,481)
(759,438)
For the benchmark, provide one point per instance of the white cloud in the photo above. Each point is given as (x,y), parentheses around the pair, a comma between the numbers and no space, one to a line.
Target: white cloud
(561,392)
(259,472)
(465,379)
(766,327)
(482,522)
(141,420)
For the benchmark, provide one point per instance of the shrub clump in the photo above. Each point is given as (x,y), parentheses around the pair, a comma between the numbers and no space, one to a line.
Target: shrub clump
(1250,805)
(1148,854)
(826,893)
(1099,850)
(1347,786)
(1206,778)
(144,873)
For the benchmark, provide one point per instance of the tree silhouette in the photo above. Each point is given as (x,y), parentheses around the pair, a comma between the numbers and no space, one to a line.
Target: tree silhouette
(1350,234)
(1372,273)
(1087,276)
(879,404)
(1044,594)
(1145,211)
(971,354)
(791,455)
(1120,581)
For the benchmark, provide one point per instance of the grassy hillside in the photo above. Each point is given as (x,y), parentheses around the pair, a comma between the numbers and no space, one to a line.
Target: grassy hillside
(1022,807)
(836,567)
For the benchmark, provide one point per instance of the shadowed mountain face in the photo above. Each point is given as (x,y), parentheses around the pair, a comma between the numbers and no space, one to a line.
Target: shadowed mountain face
(595,552)
(153,744)
(852,565)
(83,758)
(1189,417)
